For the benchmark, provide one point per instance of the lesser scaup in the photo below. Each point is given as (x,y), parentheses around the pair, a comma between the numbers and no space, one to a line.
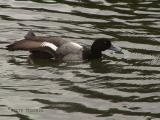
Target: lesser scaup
(47,46)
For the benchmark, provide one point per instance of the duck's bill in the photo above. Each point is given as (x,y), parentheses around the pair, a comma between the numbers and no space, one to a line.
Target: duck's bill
(116,49)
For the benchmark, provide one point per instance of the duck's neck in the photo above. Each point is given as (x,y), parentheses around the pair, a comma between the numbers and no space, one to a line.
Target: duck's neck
(89,54)
(96,54)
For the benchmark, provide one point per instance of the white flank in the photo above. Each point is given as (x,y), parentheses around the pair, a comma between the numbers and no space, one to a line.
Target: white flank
(76,45)
(50,45)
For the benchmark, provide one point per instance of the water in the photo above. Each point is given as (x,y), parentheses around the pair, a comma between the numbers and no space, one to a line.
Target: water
(119,87)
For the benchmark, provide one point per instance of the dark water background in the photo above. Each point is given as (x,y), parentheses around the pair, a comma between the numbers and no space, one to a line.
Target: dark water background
(119,87)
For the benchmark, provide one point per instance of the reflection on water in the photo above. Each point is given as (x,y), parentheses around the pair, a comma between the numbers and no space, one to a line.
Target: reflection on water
(120,87)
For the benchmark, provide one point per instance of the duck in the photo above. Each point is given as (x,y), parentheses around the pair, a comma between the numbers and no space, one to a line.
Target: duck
(60,49)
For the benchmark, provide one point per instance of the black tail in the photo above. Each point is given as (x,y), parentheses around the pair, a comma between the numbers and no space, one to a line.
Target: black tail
(10,47)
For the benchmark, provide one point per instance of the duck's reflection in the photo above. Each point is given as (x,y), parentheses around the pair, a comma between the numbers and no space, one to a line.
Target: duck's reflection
(97,65)
(34,60)
(105,66)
